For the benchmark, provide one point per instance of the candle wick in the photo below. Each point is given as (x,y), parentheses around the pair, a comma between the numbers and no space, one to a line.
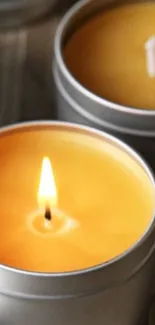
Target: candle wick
(48,214)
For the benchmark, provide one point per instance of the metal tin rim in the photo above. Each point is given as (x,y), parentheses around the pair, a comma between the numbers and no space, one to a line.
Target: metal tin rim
(116,142)
(65,71)
(93,118)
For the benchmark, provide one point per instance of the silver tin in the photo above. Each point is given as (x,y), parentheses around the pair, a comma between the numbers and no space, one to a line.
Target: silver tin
(77,104)
(114,293)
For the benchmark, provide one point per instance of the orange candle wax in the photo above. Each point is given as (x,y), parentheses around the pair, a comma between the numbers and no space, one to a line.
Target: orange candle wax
(101,199)
(107,55)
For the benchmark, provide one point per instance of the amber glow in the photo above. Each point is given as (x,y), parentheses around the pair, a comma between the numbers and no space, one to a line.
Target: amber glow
(113,63)
(105,199)
(47,193)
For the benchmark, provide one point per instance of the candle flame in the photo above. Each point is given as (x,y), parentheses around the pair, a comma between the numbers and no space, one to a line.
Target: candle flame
(47,193)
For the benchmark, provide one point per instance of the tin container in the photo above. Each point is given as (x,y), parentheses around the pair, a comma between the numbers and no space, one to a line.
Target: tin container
(114,293)
(77,104)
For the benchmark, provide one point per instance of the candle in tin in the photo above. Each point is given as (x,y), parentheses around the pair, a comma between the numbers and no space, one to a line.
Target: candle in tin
(69,200)
(55,174)
(108,54)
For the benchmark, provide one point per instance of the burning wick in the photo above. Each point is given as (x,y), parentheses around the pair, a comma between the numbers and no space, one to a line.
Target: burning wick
(48,220)
(48,214)
(47,193)
(150,56)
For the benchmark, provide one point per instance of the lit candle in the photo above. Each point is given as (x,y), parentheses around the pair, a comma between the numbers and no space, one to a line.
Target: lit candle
(48,219)
(112,55)
(89,202)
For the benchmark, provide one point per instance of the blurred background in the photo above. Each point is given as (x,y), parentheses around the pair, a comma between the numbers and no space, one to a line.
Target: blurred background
(26,37)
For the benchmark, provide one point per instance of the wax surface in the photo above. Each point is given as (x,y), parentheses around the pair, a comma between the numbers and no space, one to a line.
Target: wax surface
(102,188)
(107,55)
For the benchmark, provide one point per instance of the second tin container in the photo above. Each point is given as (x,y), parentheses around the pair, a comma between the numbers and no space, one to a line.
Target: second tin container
(78,104)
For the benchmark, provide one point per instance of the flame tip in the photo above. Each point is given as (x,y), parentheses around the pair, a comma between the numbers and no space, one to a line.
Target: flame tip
(47,188)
